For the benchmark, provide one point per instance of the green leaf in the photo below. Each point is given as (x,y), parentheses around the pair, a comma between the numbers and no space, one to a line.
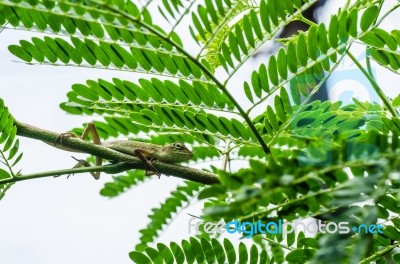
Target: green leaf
(233,44)
(255,82)
(121,183)
(262,73)
(256,24)
(197,249)
(230,251)
(212,191)
(178,253)
(243,256)
(20,53)
(290,238)
(272,71)
(392,233)
(396,101)
(342,27)
(300,255)
(218,251)
(301,51)
(389,203)
(292,57)
(154,256)
(308,242)
(282,64)
(163,215)
(333,32)
(248,31)
(272,118)
(4,174)
(312,42)
(368,18)
(253,254)
(264,257)
(247,92)
(386,37)
(189,254)
(139,257)
(208,251)
(165,253)
(264,14)
(371,39)
(352,21)
(240,39)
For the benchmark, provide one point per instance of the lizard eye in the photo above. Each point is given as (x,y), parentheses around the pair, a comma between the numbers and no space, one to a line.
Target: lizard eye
(178,145)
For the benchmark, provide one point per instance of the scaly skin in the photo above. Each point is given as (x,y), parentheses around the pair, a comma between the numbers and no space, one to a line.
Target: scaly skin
(147,152)
(169,153)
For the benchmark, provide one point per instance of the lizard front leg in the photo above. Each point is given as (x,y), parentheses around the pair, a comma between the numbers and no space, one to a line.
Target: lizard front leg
(141,155)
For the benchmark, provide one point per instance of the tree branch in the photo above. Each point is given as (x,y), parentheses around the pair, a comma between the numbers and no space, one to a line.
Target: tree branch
(109,168)
(128,161)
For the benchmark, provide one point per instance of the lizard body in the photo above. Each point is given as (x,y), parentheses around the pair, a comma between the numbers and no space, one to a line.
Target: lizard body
(147,152)
(169,153)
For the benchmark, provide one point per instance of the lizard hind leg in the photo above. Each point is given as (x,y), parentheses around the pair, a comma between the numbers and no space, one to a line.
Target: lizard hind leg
(90,129)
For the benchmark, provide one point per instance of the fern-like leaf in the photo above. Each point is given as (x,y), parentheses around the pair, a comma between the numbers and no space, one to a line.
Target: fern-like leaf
(384,47)
(162,216)
(121,183)
(307,57)
(171,110)
(9,148)
(201,251)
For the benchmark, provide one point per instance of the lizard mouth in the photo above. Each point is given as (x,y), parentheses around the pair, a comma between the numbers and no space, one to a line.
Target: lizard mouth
(184,156)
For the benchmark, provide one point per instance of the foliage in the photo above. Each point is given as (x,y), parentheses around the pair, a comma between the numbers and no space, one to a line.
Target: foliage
(9,149)
(161,216)
(195,251)
(122,182)
(326,160)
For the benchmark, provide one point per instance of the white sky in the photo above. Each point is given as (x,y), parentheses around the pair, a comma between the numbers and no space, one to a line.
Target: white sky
(64,221)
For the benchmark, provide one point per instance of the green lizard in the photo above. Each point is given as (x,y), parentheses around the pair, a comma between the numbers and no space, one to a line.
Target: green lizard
(147,152)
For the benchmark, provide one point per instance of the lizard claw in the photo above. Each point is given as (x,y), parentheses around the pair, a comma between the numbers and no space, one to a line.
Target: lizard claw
(151,170)
(62,136)
(81,163)
(78,165)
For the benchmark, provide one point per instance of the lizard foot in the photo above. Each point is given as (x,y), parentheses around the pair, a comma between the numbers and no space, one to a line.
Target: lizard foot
(62,136)
(151,173)
(81,163)
(151,170)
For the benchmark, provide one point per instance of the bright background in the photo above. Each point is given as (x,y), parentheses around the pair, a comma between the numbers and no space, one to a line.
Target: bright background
(55,220)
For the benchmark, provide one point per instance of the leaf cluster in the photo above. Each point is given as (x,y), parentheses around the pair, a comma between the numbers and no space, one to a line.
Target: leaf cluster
(302,159)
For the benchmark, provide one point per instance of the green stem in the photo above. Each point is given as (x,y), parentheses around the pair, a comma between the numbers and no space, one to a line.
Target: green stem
(305,20)
(375,85)
(78,145)
(110,169)
(369,68)
(7,163)
(202,68)
(379,253)
(383,17)
(187,9)
(281,25)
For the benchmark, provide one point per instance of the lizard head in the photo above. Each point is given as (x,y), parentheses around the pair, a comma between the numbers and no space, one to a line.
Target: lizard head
(175,153)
